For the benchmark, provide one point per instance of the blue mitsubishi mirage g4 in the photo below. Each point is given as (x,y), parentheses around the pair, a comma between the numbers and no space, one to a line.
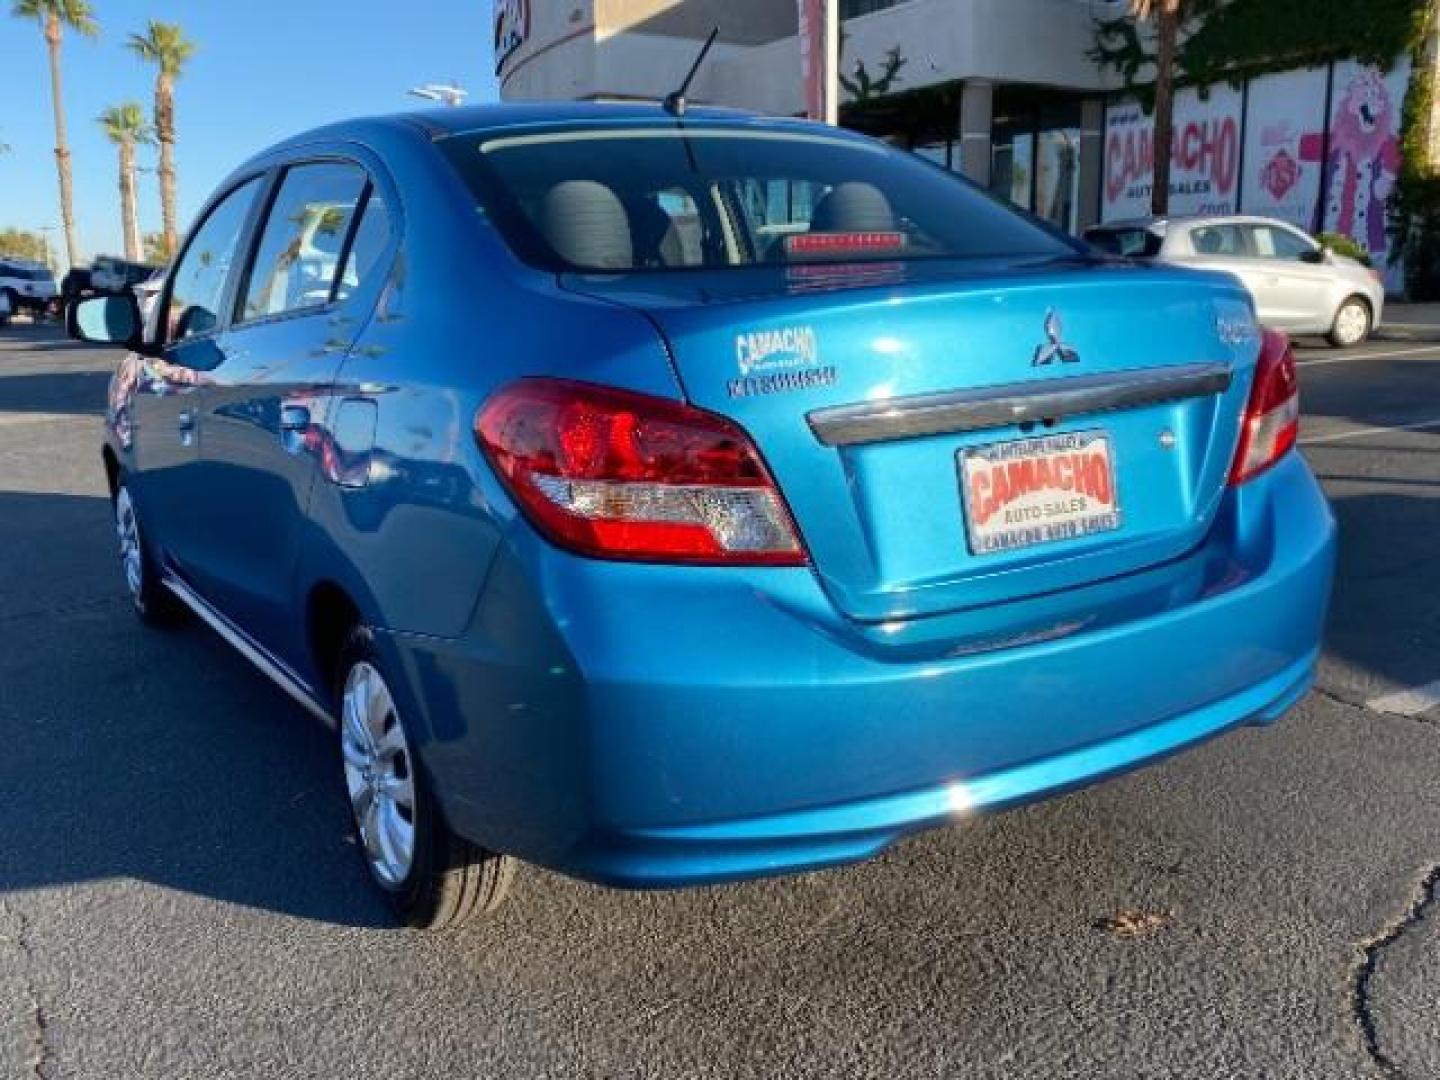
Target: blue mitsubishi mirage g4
(670,500)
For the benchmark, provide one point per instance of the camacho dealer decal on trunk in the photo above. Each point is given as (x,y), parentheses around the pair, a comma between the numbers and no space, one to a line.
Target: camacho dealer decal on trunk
(777,361)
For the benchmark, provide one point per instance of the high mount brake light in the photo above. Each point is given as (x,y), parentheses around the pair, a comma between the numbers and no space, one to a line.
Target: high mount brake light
(1271,421)
(620,475)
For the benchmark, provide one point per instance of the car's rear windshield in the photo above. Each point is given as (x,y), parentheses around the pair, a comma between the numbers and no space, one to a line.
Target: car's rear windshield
(1136,243)
(668,198)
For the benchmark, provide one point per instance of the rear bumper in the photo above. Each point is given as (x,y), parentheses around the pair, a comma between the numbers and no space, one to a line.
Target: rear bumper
(644,726)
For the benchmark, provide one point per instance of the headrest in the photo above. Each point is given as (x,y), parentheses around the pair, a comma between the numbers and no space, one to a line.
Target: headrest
(586,224)
(853,207)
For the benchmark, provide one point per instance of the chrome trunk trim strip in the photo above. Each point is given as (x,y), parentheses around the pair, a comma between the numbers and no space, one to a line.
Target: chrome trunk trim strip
(958,411)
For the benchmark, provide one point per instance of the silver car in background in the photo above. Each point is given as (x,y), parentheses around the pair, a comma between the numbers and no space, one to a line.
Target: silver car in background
(1298,285)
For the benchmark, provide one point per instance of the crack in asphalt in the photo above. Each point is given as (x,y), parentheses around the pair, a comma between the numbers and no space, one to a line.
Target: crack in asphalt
(42,1055)
(1336,698)
(1423,896)
(79,607)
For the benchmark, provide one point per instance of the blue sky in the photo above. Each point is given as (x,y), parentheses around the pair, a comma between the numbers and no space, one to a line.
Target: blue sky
(264,69)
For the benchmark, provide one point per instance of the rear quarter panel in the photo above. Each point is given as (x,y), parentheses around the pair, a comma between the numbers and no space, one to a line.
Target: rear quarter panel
(411,528)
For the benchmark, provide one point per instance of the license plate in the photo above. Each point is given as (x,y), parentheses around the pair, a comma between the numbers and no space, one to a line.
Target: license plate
(1037,491)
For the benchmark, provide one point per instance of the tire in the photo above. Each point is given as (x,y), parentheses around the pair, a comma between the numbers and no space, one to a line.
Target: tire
(1352,324)
(154,604)
(443,880)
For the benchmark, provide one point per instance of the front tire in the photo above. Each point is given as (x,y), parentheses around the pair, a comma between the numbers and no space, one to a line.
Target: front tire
(432,878)
(153,602)
(1352,324)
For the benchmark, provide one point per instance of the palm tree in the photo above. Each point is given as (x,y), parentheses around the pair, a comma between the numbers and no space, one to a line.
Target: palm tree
(165,45)
(54,16)
(1166,15)
(125,126)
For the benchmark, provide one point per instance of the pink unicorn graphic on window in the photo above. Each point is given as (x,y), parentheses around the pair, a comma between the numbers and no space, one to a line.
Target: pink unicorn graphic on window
(1364,161)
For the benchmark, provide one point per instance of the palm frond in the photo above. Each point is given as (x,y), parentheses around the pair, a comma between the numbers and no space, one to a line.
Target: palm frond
(78,15)
(163,44)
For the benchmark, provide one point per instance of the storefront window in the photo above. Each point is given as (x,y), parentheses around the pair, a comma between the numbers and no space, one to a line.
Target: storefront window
(1057,188)
(1012,161)
(1035,159)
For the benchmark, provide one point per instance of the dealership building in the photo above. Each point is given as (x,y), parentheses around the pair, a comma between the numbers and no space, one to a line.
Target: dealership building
(1001,90)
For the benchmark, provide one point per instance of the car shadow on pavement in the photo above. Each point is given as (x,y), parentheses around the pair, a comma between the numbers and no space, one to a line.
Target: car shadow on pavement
(163,757)
(1384,619)
(55,393)
(160,756)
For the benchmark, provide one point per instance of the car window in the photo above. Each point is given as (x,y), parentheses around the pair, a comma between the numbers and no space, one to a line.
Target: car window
(623,198)
(305,232)
(1270,242)
(372,239)
(200,277)
(1218,240)
(1131,243)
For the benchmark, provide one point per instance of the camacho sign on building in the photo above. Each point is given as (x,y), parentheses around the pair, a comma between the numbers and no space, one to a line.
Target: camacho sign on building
(512,27)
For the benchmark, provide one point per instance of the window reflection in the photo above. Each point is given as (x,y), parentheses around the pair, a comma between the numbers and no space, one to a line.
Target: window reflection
(305,232)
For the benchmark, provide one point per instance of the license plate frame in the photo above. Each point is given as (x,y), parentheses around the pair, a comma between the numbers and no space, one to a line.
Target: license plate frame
(1064,499)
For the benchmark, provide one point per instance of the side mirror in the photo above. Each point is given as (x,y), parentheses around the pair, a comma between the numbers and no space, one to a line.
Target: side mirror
(106,320)
(1316,256)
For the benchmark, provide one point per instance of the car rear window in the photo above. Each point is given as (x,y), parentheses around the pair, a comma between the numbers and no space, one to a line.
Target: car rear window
(1132,243)
(701,197)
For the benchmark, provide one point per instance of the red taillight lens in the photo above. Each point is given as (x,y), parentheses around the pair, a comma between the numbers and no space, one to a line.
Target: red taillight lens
(1272,416)
(622,475)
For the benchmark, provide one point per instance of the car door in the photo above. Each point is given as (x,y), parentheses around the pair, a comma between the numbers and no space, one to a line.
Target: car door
(264,422)
(1223,245)
(162,421)
(1301,289)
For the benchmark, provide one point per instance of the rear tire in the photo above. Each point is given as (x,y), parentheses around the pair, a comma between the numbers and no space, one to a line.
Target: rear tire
(154,604)
(431,878)
(1352,324)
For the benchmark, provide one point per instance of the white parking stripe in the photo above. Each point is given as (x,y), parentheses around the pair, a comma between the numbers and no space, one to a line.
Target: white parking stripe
(1347,357)
(1412,702)
(1360,433)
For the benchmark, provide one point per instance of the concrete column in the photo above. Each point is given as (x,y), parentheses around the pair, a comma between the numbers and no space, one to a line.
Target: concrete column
(977,115)
(1092,160)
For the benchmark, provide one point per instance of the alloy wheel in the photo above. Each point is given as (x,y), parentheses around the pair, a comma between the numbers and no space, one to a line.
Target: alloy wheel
(1352,323)
(127,531)
(379,774)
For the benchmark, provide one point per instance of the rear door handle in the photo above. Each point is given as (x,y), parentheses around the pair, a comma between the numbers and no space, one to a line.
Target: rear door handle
(186,420)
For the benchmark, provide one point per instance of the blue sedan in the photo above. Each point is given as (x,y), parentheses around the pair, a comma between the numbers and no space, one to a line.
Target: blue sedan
(680,500)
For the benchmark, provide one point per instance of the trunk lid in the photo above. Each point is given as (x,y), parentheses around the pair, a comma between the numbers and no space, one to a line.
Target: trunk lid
(905,411)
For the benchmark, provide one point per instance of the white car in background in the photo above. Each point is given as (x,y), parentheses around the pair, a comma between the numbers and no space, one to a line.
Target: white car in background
(27,285)
(1298,284)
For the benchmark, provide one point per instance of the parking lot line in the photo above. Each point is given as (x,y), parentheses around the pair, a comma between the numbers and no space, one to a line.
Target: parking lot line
(1347,357)
(1411,702)
(1360,433)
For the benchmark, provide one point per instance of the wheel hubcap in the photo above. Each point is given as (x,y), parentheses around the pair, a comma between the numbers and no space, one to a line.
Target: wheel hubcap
(379,773)
(127,531)
(1352,322)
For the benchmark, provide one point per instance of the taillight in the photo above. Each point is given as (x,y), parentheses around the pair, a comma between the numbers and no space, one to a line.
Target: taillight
(1272,415)
(621,475)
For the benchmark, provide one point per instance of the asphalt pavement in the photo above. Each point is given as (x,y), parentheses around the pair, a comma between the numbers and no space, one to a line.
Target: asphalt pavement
(180,895)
